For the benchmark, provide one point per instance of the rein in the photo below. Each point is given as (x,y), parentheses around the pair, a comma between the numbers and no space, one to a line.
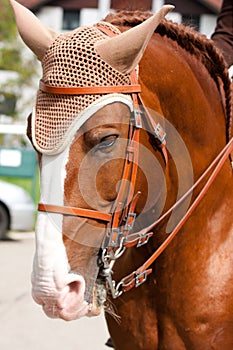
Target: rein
(120,221)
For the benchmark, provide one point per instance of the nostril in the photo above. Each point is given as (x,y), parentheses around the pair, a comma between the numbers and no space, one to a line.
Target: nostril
(71,301)
(74,286)
(63,298)
(73,293)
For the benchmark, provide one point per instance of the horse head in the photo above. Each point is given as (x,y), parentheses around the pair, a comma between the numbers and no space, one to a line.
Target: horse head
(80,128)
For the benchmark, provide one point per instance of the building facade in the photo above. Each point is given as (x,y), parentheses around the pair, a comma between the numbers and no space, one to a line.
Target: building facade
(63,15)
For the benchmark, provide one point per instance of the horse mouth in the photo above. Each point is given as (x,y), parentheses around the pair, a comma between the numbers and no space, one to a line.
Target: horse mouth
(56,309)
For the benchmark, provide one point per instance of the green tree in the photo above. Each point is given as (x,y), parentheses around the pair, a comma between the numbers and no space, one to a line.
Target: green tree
(7,24)
(13,56)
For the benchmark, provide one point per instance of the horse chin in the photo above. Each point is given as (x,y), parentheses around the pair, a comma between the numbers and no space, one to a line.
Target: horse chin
(53,310)
(99,299)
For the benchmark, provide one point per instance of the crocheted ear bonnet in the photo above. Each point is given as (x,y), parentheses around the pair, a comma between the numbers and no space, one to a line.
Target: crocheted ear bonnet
(85,57)
(71,61)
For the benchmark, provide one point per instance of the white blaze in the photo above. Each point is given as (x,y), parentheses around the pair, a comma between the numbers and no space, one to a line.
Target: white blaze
(51,279)
(60,292)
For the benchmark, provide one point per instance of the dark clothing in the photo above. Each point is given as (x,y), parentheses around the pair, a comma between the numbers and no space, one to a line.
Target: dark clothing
(223,35)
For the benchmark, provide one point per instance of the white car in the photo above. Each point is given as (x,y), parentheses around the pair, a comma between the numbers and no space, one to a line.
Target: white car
(17,210)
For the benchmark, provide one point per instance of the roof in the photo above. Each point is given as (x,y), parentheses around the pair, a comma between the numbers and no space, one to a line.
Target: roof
(67,4)
(213,5)
(34,4)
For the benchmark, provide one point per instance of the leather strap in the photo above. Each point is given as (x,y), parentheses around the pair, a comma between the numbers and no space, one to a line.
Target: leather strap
(106,30)
(125,195)
(157,130)
(87,213)
(130,171)
(93,90)
(135,279)
(137,239)
(130,281)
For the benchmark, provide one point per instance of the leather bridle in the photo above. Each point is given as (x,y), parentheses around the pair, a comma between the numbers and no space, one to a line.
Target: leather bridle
(120,221)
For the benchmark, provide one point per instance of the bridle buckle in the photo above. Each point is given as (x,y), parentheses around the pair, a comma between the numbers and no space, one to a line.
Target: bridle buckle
(143,239)
(131,217)
(136,118)
(140,278)
(160,134)
(116,236)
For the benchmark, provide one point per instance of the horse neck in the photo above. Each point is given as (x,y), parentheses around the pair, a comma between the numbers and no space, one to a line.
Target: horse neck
(182,91)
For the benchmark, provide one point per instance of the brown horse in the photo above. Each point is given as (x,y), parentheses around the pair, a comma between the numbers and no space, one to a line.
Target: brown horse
(106,166)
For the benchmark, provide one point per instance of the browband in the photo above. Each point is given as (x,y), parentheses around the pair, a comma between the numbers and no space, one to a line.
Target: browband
(93,90)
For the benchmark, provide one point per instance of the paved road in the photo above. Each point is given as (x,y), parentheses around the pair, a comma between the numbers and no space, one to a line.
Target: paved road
(23,325)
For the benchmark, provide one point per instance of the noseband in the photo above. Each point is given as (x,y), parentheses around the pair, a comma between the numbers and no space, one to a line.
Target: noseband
(120,221)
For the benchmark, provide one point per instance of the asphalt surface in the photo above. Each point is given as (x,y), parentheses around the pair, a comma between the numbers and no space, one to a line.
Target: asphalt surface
(23,325)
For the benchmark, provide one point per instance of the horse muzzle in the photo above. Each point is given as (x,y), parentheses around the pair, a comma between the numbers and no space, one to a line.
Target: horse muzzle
(58,290)
(64,300)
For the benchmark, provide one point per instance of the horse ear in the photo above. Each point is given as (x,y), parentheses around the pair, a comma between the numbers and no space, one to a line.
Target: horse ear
(123,52)
(34,33)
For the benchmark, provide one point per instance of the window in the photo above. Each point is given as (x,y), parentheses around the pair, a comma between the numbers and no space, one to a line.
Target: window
(71,19)
(143,5)
(191,20)
(7,103)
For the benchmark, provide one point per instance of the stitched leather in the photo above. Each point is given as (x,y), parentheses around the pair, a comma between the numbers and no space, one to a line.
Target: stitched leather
(126,89)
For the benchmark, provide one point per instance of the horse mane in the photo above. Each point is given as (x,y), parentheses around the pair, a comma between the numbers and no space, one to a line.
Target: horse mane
(191,41)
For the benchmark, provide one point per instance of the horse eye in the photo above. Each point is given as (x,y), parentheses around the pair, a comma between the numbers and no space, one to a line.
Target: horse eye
(107,142)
